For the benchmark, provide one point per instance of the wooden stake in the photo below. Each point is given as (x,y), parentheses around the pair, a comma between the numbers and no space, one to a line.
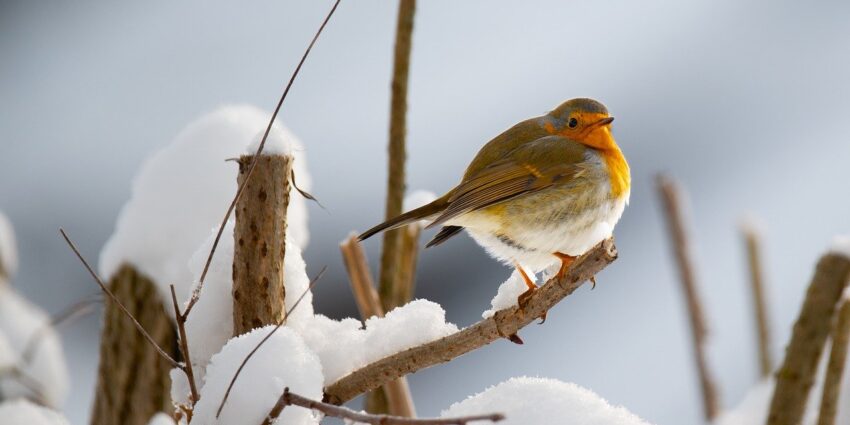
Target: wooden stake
(794,379)
(260,243)
(671,196)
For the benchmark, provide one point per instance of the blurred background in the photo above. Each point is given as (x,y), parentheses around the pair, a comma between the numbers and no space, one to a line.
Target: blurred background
(745,102)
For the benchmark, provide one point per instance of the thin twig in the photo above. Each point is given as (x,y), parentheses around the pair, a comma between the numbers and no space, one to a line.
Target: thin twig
(671,195)
(266,338)
(751,239)
(835,366)
(503,324)
(397,154)
(31,384)
(69,314)
(289,398)
(184,347)
(196,293)
(169,359)
(796,376)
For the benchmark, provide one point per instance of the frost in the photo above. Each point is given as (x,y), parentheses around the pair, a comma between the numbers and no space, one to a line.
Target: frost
(543,402)
(182,192)
(20,321)
(8,249)
(210,324)
(840,245)
(343,346)
(283,361)
(25,412)
(507,294)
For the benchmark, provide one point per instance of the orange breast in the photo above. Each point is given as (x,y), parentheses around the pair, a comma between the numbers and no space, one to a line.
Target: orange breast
(618,171)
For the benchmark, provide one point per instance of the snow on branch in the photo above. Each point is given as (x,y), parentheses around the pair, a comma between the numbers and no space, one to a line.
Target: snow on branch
(503,324)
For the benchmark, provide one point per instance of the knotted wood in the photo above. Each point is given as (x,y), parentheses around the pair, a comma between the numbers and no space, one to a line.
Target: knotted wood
(133,379)
(260,243)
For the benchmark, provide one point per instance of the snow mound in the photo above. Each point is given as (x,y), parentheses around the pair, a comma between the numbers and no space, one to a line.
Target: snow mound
(8,249)
(210,324)
(543,402)
(20,322)
(506,296)
(343,346)
(25,412)
(840,245)
(161,419)
(183,191)
(281,141)
(283,361)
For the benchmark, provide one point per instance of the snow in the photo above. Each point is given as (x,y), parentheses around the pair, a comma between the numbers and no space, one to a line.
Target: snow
(542,401)
(840,245)
(161,419)
(508,293)
(343,346)
(8,249)
(180,392)
(210,324)
(281,141)
(183,191)
(25,412)
(418,198)
(283,361)
(19,321)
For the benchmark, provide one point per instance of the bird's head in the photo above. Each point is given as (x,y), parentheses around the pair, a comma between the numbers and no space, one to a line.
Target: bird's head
(583,120)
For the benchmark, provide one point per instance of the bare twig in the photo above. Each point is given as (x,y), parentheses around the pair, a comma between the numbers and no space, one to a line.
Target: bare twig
(751,239)
(196,293)
(387,287)
(796,375)
(184,347)
(502,325)
(671,195)
(69,314)
(31,384)
(291,399)
(398,400)
(169,359)
(835,366)
(266,338)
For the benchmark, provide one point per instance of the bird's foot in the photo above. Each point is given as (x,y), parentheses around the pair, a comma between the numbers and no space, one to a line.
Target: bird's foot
(593,281)
(523,298)
(566,262)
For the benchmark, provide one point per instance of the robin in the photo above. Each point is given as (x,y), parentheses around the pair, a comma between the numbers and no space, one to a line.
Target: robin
(545,190)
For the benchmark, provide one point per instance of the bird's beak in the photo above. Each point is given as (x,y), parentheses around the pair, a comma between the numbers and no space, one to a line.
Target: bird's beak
(604,121)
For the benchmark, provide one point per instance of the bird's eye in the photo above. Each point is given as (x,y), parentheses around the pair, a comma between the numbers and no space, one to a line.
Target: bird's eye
(573,123)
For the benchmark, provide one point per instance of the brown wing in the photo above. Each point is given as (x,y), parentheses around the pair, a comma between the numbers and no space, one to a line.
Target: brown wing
(529,168)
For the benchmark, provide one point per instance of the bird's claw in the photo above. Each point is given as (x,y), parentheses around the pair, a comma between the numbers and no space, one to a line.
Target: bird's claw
(593,281)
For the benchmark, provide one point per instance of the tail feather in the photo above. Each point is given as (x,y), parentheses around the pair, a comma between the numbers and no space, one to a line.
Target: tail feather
(420,213)
(445,233)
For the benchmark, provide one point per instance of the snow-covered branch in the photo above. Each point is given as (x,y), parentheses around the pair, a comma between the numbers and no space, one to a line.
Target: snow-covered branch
(503,324)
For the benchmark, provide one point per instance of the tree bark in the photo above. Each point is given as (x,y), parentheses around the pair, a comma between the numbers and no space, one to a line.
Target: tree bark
(795,377)
(133,379)
(260,243)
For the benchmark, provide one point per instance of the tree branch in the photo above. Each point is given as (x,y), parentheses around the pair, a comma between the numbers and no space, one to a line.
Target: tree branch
(671,195)
(835,366)
(753,244)
(184,348)
(503,324)
(794,379)
(291,399)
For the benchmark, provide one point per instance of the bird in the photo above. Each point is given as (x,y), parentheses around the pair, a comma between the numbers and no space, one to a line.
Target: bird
(545,190)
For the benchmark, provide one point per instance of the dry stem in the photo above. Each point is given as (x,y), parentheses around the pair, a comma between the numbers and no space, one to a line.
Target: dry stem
(671,194)
(795,377)
(197,292)
(184,348)
(835,366)
(753,244)
(503,324)
(291,399)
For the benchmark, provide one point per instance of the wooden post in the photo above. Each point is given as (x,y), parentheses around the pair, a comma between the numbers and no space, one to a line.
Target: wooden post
(133,379)
(794,379)
(260,243)
(671,195)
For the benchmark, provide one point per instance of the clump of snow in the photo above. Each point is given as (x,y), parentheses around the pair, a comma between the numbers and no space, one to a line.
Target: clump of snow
(25,412)
(183,191)
(840,245)
(21,321)
(8,249)
(180,392)
(161,419)
(751,223)
(210,323)
(542,401)
(343,346)
(281,141)
(283,361)
(418,198)
(508,293)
